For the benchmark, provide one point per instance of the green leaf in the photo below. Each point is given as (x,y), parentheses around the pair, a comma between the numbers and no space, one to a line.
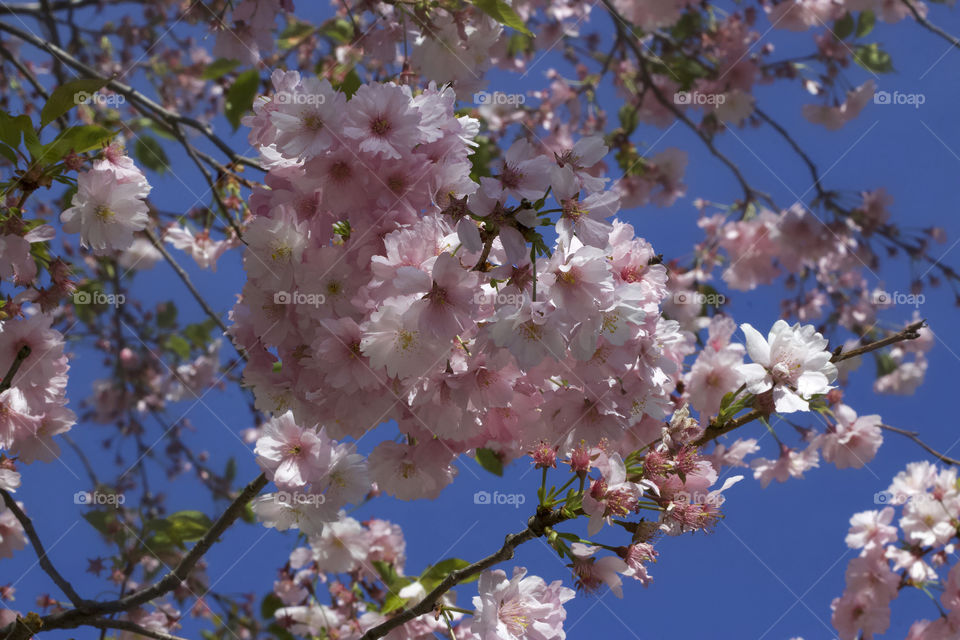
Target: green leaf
(10,132)
(843,27)
(150,153)
(865,23)
(872,58)
(179,346)
(8,152)
(502,13)
(351,82)
(76,139)
(491,461)
(240,96)
(279,633)
(339,30)
(294,33)
(198,333)
(628,118)
(231,471)
(439,571)
(218,68)
(67,96)
(177,528)
(269,605)
(102,521)
(885,363)
(167,315)
(393,602)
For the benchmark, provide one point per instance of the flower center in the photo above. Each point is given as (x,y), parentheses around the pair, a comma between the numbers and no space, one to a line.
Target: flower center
(104,213)
(312,121)
(380,126)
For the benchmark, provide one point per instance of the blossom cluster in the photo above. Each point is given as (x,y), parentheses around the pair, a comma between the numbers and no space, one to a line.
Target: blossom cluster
(384,283)
(916,551)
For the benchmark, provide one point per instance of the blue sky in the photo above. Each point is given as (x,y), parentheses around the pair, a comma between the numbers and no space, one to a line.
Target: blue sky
(770,569)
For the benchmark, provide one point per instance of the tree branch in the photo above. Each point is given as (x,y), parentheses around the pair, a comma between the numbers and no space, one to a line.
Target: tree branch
(38,548)
(929,26)
(185,278)
(126,625)
(749,192)
(89,611)
(910,332)
(536,527)
(170,117)
(22,355)
(913,435)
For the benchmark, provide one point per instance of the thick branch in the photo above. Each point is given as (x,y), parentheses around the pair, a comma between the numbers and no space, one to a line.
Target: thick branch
(536,527)
(126,625)
(38,548)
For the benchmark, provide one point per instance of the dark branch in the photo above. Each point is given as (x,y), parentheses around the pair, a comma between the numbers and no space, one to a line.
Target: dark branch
(38,548)
(536,527)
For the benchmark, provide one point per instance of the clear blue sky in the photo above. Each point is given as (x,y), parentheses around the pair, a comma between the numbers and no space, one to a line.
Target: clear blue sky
(772,567)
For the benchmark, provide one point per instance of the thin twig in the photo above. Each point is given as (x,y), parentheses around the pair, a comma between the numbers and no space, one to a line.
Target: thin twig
(913,435)
(38,548)
(910,332)
(88,611)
